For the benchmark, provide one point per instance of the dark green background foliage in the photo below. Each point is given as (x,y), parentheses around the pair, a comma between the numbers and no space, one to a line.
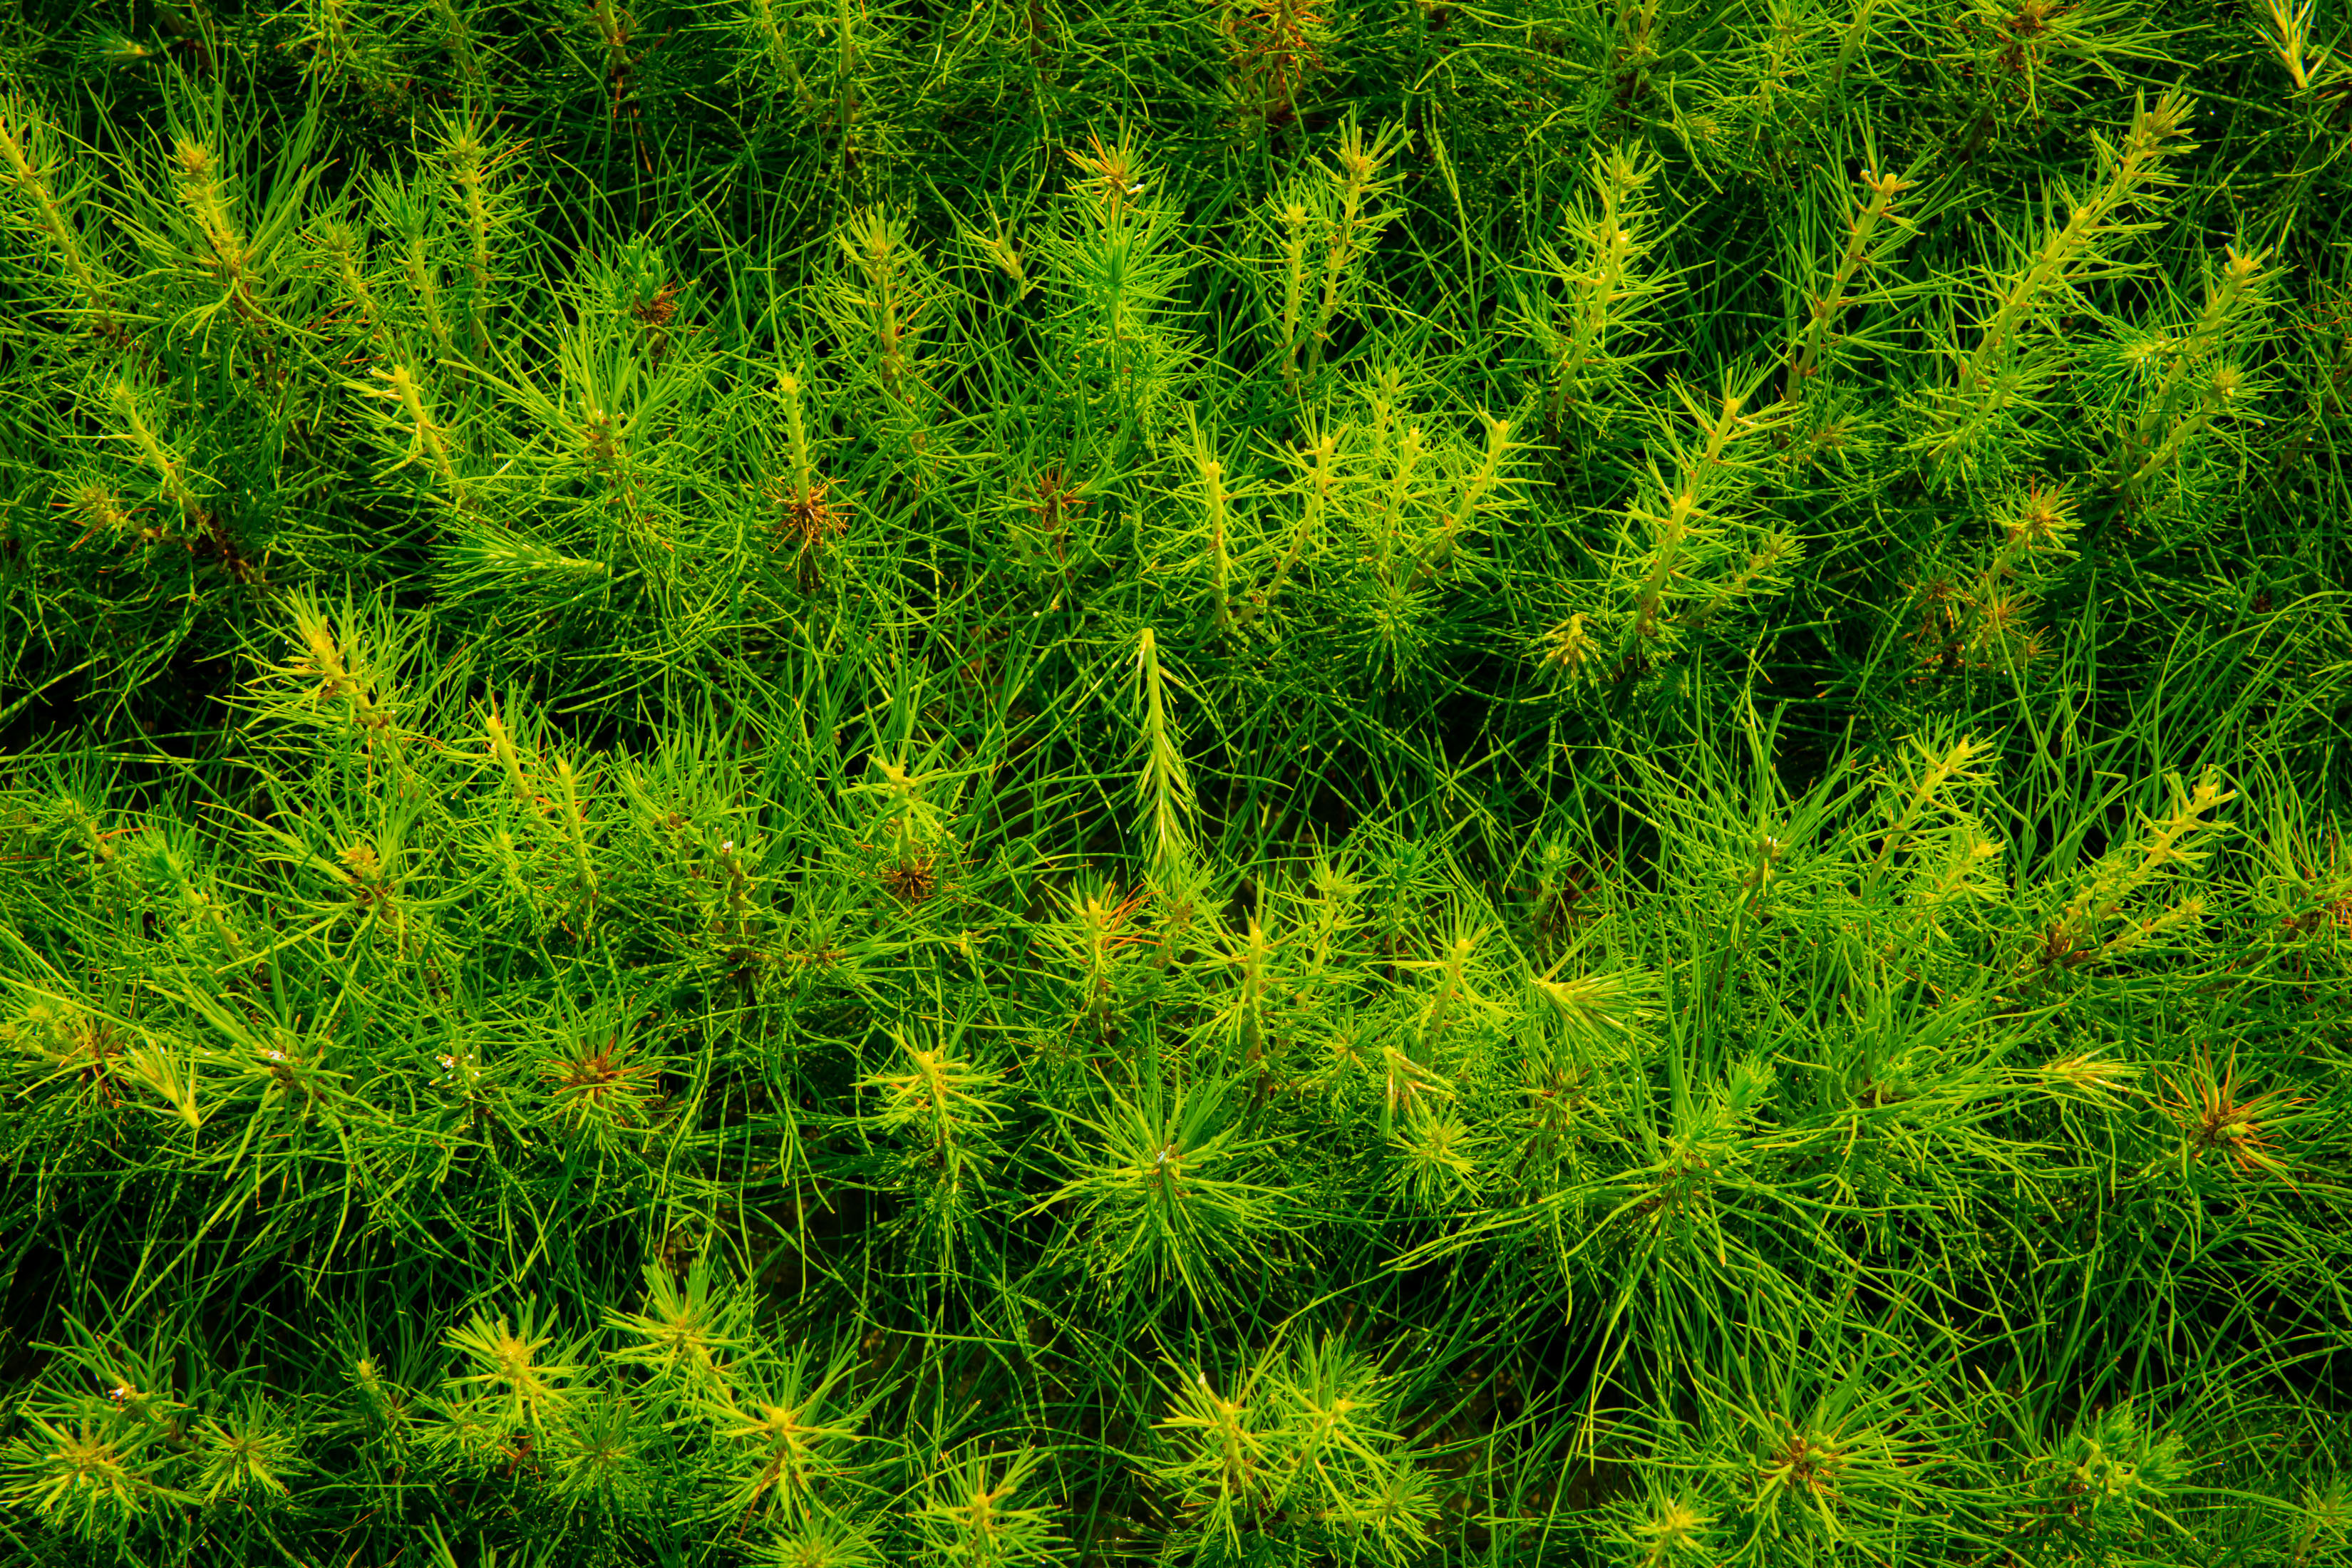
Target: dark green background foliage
(825,782)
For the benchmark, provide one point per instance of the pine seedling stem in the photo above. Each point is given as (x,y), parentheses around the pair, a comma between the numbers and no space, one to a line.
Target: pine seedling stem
(1321,462)
(788,386)
(167,466)
(1163,788)
(2066,251)
(424,275)
(1216,500)
(424,432)
(1925,793)
(502,747)
(1603,291)
(1683,515)
(344,244)
(1357,184)
(227,259)
(1475,494)
(1294,224)
(1827,308)
(871,244)
(2162,431)
(575,824)
(465,155)
(21,135)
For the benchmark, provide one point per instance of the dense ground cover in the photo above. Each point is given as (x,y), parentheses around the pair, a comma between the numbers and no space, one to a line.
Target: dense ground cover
(1182,780)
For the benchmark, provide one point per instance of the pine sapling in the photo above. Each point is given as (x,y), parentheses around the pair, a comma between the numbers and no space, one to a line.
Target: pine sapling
(1996,381)
(1316,484)
(685,1332)
(343,245)
(2074,938)
(1483,487)
(791,1431)
(1163,788)
(411,416)
(2196,377)
(1594,296)
(1216,500)
(1226,1465)
(172,471)
(980,1510)
(410,215)
(50,202)
(944,1106)
(812,520)
(478,165)
(1353,216)
(1273,48)
(1874,230)
(499,1364)
(1686,550)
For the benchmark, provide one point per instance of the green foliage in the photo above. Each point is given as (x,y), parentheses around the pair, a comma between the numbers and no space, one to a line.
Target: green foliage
(825,783)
